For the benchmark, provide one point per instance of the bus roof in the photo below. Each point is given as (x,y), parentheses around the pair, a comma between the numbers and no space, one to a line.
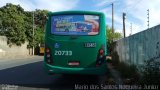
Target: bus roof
(75,12)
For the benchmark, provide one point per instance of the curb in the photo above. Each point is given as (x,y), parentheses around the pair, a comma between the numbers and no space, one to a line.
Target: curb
(18,57)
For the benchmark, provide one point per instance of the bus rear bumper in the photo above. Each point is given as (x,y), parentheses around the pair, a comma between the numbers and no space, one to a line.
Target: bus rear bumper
(50,69)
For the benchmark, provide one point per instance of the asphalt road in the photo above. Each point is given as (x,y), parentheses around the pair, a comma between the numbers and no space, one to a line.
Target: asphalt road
(29,74)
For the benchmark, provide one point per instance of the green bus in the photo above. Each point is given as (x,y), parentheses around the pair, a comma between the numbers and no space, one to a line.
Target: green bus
(75,43)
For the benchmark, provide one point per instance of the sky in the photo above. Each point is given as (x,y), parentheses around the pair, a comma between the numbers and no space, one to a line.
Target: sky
(136,10)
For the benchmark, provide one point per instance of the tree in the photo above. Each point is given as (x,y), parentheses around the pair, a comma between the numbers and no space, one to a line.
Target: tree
(39,23)
(111,37)
(40,20)
(39,36)
(1,26)
(13,22)
(29,29)
(17,25)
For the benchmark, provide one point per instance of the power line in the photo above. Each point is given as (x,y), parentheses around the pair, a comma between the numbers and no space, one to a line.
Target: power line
(106,4)
(133,6)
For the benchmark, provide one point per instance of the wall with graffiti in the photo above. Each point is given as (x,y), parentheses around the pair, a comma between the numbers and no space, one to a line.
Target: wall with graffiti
(140,47)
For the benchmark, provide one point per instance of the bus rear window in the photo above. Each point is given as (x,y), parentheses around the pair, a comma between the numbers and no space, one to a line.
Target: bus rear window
(75,25)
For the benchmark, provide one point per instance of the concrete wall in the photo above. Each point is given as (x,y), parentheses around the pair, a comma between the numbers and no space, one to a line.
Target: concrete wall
(12,52)
(140,47)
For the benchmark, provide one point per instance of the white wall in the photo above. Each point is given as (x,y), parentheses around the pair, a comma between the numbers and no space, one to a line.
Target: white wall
(12,52)
(139,47)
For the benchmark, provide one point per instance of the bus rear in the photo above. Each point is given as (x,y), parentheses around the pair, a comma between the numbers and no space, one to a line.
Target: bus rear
(75,43)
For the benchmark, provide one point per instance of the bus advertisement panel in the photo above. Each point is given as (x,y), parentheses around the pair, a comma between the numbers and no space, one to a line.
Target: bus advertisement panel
(75,25)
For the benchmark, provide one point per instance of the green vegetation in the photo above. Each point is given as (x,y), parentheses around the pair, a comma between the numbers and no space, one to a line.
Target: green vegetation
(148,74)
(13,21)
(110,37)
(111,45)
(129,73)
(17,25)
(151,73)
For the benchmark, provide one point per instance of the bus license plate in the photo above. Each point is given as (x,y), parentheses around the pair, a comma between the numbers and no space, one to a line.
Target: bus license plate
(73,63)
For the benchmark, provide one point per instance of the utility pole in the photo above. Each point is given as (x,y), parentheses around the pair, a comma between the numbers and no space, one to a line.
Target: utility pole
(148,18)
(131,29)
(33,34)
(112,18)
(123,15)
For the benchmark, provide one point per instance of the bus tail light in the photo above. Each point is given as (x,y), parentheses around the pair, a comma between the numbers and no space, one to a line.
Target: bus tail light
(101,51)
(48,56)
(100,57)
(47,50)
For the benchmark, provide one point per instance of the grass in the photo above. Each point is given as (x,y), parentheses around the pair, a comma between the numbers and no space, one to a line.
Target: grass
(151,73)
(129,73)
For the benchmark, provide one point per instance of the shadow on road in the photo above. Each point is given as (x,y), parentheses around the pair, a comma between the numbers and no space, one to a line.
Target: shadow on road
(33,76)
